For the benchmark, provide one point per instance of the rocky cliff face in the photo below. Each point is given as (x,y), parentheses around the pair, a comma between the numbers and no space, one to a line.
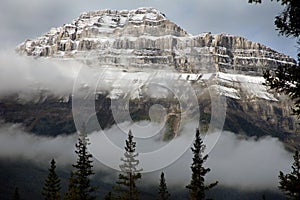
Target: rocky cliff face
(146,38)
(134,43)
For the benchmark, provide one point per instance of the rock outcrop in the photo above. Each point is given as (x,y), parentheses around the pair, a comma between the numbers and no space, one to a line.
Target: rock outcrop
(145,40)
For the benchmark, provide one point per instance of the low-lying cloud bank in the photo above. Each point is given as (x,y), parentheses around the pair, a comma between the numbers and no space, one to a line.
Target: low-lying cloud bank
(28,75)
(242,163)
(17,144)
(248,164)
(32,79)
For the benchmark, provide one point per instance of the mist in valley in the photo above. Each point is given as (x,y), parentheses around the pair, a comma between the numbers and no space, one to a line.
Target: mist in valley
(248,164)
(244,163)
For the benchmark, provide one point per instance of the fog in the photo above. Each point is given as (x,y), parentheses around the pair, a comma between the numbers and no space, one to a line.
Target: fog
(17,144)
(237,162)
(248,164)
(32,78)
(28,75)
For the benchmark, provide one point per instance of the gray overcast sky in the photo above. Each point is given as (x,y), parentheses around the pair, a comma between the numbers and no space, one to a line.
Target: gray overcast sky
(24,19)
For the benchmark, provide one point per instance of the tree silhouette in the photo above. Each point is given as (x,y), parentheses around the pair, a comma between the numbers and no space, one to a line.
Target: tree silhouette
(288,22)
(73,191)
(290,183)
(16,195)
(197,187)
(109,196)
(130,173)
(80,187)
(163,193)
(51,188)
(286,79)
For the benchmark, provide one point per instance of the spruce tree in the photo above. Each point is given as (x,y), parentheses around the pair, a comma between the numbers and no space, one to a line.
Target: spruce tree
(287,22)
(109,196)
(286,79)
(80,187)
(72,193)
(163,193)
(51,188)
(16,195)
(197,187)
(130,173)
(290,183)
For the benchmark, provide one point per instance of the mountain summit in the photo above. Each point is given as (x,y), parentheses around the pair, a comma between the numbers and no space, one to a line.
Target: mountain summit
(146,38)
(133,44)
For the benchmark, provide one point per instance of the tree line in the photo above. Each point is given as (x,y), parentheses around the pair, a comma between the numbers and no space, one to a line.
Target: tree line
(126,188)
(284,80)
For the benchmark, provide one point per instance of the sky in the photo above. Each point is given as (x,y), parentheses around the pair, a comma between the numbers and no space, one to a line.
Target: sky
(21,20)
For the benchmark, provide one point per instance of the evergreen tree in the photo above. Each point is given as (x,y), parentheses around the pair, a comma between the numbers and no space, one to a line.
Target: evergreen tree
(163,193)
(126,188)
(286,79)
(80,187)
(109,196)
(51,188)
(72,193)
(197,188)
(16,195)
(290,183)
(288,22)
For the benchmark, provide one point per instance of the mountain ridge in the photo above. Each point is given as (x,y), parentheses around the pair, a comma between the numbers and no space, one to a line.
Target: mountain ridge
(134,44)
(147,34)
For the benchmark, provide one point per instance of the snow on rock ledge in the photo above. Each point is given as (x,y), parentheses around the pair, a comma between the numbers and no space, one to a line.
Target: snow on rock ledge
(145,38)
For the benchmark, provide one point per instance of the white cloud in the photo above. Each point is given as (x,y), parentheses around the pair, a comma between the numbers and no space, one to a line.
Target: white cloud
(28,76)
(241,163)
(247,164)
(17,144)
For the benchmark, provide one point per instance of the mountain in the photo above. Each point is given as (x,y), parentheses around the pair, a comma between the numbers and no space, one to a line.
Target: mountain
(136,62)
(146,38)
(143,44)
